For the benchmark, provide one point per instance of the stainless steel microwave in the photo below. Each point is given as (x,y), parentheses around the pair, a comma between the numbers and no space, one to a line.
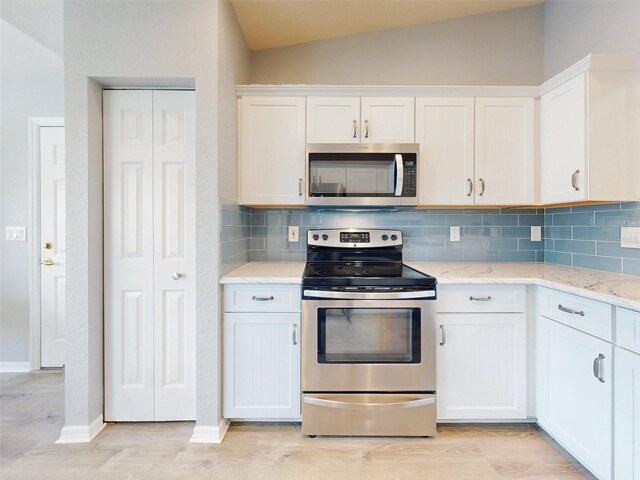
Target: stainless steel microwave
(362,174)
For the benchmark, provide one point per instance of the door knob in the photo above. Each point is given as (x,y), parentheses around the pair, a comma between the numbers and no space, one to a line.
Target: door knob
(176,276)
(47,262)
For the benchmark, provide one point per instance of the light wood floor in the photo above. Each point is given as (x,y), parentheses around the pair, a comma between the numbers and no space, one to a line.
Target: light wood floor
(31,417)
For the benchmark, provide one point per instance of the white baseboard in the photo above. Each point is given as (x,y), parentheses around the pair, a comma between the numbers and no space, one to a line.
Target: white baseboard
(15,367)
(208,434)
(81,433)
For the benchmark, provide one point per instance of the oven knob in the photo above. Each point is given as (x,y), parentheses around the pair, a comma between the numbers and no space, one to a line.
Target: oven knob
(385,237)
(315,236)
(394,237)
(325,237)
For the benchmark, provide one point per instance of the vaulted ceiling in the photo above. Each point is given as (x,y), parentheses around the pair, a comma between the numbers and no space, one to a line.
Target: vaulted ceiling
(278,23)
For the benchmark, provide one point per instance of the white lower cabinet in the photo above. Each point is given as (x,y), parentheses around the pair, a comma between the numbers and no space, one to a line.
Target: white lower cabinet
(261,352)
(627,415)
(481,366)
(574,392)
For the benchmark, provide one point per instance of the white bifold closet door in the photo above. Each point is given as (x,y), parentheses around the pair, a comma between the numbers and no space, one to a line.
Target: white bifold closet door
(149,263)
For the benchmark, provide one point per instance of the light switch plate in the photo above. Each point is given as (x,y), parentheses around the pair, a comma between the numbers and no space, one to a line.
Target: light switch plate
(630,237)
(454,234)
(536,233)
(15,234)
(294,234)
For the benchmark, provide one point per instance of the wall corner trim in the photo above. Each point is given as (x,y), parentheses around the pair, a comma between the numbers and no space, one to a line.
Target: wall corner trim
(15,367)
(209,434)
(81,433)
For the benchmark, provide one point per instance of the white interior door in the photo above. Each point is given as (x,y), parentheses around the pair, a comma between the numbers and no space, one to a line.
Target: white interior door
(149,160)
(174,256)
(128,250)
(52,246)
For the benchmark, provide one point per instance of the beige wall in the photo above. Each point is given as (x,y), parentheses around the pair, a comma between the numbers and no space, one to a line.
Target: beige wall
(574,29)
(504,48)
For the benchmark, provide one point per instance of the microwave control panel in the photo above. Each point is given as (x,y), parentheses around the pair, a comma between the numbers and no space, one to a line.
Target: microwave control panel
(410,181)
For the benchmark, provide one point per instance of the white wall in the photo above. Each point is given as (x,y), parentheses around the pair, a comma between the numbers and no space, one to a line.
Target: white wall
(132,43)
(32,85)
(504,48)
(574,29)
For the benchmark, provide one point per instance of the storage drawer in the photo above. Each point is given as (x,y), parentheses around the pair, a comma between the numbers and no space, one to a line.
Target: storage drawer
(586,315)
(390,414)
(628,329)
(482,298)
(261,298)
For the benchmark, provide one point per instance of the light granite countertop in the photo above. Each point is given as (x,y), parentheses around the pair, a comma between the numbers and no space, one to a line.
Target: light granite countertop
(616,289)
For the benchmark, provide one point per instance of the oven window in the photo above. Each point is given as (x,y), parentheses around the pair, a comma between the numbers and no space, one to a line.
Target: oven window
(363,335)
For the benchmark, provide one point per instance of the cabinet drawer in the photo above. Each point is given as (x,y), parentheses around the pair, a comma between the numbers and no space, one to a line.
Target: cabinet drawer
(482,298)
(628,329)
(589,316)
(262,298)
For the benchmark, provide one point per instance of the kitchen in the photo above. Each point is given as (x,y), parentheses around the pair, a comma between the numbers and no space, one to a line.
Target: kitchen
(502,232)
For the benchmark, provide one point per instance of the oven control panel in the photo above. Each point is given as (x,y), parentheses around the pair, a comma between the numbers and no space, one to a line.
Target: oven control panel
(354,238)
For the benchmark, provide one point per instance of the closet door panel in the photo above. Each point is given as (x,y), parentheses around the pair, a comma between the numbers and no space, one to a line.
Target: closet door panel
(128,251)
(174,256)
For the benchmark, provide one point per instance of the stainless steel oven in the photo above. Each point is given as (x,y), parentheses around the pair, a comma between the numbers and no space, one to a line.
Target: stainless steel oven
(368,337)
(362,174)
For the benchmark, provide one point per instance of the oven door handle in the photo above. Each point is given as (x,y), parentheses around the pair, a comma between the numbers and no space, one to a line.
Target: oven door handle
(369,296)
(399,175)
(321,402)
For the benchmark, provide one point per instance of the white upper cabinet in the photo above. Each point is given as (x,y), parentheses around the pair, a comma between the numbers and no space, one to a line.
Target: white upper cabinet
(272,150)
(333,119)
(360,120)
(504,150)
(445,130)
(589,137)
(387,120)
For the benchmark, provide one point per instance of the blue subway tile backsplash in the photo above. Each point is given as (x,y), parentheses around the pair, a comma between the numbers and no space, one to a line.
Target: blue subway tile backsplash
(586,236)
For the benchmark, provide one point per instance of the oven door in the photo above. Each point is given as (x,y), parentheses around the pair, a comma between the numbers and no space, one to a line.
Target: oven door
(368,346)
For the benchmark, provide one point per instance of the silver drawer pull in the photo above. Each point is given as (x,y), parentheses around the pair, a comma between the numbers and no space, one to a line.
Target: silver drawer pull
(322,402)
(597,367)
(444,336)
(574,180)
(295,333)
(570,310)
(480,299)
(262,299)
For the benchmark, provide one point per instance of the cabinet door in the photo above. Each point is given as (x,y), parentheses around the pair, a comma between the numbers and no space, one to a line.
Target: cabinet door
(261,365)
(572,404)
(445,131)
(387,120)
(481,368)
(272,151)
(563,168)
(333,120)
(504,151)
(627,415)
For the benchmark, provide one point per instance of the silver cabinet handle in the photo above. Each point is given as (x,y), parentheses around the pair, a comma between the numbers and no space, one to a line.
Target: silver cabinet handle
(176,276)
(262,299)
(295,334)
(355,128)
(470,182)
(323,402)
(482,184)
(597,367)
(444,336)
(570,310)
(366,129)
(574,180)
(480,299)
(299,187)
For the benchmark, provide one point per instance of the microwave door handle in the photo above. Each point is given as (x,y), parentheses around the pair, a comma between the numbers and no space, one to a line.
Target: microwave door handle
(399,175)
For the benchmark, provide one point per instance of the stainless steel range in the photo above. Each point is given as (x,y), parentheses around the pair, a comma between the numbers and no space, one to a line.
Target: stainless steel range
(368,337)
